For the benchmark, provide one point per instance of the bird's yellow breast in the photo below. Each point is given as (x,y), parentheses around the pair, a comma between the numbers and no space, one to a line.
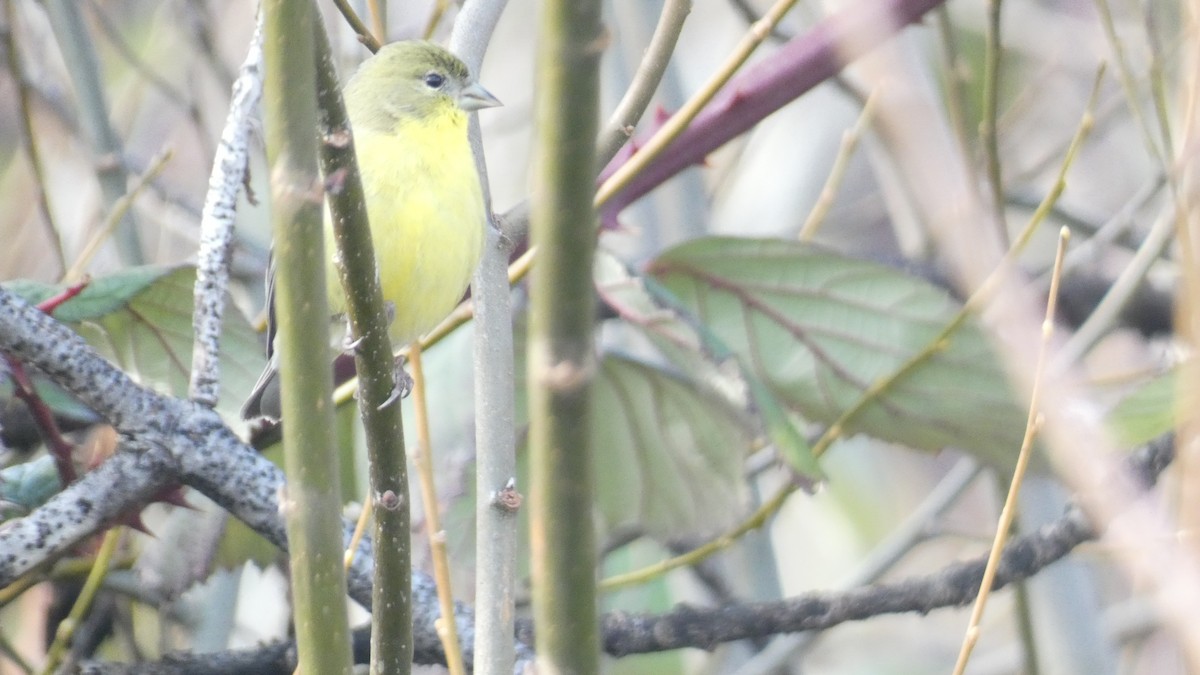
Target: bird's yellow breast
(427,219)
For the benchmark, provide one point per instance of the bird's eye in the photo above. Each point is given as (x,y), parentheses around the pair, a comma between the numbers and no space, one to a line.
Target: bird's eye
(434,80)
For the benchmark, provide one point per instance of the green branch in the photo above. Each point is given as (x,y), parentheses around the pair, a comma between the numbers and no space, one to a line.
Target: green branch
(391,625)
(312,505)
(561,358)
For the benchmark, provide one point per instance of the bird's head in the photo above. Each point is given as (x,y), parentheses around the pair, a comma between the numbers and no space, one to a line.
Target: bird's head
(413,79)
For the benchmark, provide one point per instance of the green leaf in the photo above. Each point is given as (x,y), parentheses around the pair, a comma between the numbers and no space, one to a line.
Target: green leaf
(820,329)
(1150,410)
(26,486)
(668,458)
(102,296)
(141,320)
(705,358)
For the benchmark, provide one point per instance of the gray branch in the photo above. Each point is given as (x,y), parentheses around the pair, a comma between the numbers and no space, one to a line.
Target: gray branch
(216,225)
(164,440)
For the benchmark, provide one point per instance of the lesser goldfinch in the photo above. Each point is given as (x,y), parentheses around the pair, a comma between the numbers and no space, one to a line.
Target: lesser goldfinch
(408,108)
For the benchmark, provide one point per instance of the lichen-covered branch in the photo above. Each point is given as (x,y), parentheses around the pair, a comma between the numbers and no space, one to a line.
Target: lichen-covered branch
(165,440)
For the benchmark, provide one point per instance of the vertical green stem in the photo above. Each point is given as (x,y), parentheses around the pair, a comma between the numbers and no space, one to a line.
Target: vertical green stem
(28,139)
(991,105)
(391,606)
(561,355)
(78,52)
(312,503)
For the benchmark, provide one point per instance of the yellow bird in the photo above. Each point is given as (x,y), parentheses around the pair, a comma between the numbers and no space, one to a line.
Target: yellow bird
(408,108)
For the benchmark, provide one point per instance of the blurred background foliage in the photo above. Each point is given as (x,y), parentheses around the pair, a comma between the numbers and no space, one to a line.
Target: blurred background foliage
(720,355)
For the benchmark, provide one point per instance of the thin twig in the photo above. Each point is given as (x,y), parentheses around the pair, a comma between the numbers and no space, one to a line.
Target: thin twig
(756,34)
(217,222)
(28,138)
(423,461)
(917,527)
(1158,87)
(953,76)
(645,80)
(435,18)
(378,10)
(83,66)
(66,629)
(360,529)
(837,172)
(169,91)
(1129,84)
(1108,311)
(764,87)
(356,24)
(809,613)
(1115,229)
(1032,424)
(115,217)
(58,446)
(991,103)
(10,652)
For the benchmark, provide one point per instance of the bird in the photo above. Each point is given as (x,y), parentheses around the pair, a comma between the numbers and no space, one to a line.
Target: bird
(408,106)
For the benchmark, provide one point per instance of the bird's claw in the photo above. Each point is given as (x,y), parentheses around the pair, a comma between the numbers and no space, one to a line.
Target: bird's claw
(402,384)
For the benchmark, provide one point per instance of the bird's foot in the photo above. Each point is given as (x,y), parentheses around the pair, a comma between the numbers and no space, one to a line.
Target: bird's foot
(402,384)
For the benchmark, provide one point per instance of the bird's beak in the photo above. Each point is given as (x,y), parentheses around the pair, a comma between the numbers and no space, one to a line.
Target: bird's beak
(474,97)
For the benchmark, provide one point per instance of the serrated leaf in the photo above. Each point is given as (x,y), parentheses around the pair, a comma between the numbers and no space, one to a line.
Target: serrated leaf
(820,329)
(1150,410)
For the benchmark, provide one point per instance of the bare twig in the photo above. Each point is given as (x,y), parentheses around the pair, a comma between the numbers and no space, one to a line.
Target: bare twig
(216,225)
(116,216)
(1032,423)
(360,28)
(495,436)
(169,91)
(846,150)
(423,462)
(759,90)
(77,49)
(164,441)
(707,627)
(675,126)
(66,629)
(645,81)
(991,104)
(28,138)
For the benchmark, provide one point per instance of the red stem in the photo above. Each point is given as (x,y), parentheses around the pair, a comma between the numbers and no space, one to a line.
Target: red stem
(799,65)
(59,448)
